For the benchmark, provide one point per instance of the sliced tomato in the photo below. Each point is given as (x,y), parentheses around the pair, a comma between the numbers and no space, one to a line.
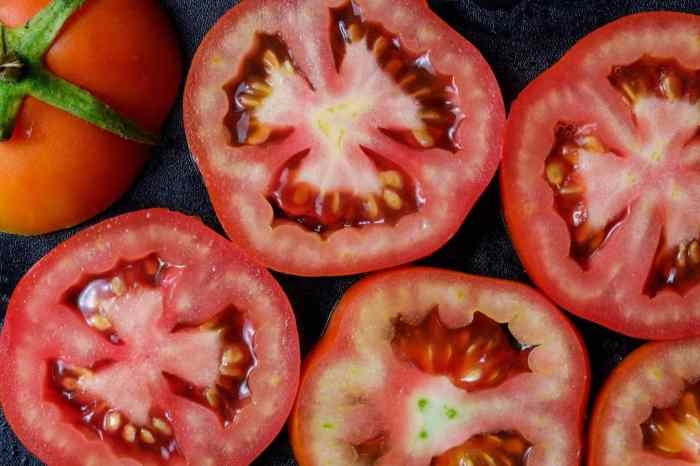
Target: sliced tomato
(426,367)
(148,339)
(649,409)
(341,136)
(601,177)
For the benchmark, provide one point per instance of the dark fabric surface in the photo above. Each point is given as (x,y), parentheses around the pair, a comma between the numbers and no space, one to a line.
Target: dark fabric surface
(519,38)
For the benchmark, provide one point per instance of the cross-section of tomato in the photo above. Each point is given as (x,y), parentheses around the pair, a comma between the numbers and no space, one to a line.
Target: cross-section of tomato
(148,340)
(601,177)
(341,136)
(426,367)
(649,410)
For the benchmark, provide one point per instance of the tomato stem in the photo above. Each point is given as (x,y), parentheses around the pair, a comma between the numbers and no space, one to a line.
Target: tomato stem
(22,73)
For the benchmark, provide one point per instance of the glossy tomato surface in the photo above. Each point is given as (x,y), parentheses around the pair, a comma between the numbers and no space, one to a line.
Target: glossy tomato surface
(341,136)
(648,411)
(148,339)
(601,174)
(57,170)
(424,366)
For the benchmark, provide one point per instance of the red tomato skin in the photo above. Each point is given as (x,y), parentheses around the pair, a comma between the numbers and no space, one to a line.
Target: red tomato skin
(516,213)
(74,169)
(14,327)
(220,192)
(373,282)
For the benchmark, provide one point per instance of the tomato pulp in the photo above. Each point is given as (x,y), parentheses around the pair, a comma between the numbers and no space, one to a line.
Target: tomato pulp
(148,339)
(340,137)
(426,367)
(648,411)
(600,177)
(57,170)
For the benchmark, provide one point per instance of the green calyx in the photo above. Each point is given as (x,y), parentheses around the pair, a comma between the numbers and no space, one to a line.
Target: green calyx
(22,73)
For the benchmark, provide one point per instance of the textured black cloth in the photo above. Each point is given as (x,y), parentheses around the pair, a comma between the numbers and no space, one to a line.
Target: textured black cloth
(520,39)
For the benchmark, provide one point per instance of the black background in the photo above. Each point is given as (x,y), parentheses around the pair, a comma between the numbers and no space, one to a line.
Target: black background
(520,39)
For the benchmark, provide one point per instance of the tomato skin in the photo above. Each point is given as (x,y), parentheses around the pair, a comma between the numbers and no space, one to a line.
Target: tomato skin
(610,293)
(240,203)
(102,243)
(334,345)
(57,170)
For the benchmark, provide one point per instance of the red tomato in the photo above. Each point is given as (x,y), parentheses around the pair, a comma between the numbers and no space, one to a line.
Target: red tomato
(600,180)
(339,137)
(419,367)
(648,411)
(57,170)
(148,339)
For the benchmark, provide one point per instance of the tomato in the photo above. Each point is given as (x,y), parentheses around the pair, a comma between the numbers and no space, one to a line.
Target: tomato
(341,136)
(148,339)
(57,170)
(600,177)
(424,366)
(647,413)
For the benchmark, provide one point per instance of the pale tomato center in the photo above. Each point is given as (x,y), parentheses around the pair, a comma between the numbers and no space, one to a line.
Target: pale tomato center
(596,184)
(208,363)
(386,96)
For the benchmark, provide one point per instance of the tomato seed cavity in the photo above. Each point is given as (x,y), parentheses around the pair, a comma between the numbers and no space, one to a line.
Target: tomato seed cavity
(649,76)
(498,449)
(231,390)
(247,91)
(478,356)
(569,189)
(107,422)
(303,203)
(675,267)
(437,94)
(674,432)
(371,450)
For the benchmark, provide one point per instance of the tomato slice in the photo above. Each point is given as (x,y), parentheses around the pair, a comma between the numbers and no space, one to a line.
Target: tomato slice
(649,409)
(600,177)
(148,339)
(342,136)
(424,366)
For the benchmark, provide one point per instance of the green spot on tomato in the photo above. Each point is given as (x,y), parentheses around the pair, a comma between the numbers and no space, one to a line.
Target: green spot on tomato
(423,434)
(450,413)
(327,425)
(422,404)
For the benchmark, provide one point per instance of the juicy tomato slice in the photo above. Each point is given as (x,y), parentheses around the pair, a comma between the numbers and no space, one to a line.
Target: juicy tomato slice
(426,367)
(601,174)
(341,136)
(148,339)
(649,409)
(57,170)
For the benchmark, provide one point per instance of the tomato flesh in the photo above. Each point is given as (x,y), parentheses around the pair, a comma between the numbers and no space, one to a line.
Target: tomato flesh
(427,367)
(146,343)
(600,177)
(343,129)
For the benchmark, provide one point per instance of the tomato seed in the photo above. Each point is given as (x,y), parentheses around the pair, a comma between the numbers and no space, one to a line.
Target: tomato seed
(112,421)
(499,449)
(129,433)
(475,357)
(662,78)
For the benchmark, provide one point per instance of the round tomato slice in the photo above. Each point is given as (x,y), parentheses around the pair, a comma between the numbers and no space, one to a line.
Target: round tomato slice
(601,177)
(341,136)
(57,170)
(426,367)
(649,410)
(150,340)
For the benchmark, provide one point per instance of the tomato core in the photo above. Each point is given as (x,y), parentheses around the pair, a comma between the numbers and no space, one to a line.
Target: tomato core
(475,357)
